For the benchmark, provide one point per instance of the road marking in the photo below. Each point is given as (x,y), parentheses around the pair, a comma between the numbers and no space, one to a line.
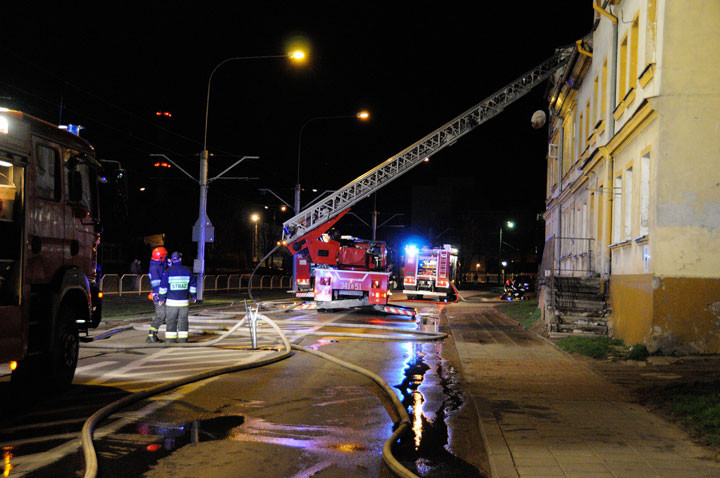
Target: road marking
(85,368)
(132,365)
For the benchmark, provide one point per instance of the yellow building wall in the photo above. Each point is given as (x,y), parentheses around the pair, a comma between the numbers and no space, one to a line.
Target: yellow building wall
(631,300)
(687,234)
(669,307)
(682,313)
(666,313)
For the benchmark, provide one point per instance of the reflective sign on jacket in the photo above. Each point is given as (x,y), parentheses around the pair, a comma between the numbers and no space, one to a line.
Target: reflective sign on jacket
(177,286)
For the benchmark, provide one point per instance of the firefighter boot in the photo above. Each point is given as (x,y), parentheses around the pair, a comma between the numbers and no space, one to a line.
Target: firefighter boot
(182,340)
(153,338)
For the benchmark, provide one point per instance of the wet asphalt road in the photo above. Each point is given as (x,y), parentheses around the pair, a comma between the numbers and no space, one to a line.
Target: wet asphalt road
(299,417)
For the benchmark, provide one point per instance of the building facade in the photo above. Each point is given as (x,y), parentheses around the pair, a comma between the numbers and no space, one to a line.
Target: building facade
(633,169)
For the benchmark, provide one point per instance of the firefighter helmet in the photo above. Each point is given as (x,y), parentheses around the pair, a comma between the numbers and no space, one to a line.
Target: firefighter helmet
(159,254)
(176,257)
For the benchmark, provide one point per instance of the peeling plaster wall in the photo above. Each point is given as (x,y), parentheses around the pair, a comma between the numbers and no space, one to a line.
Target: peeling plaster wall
(688,160)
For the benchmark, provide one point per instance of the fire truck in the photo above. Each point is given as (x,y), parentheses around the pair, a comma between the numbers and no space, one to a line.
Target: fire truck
(430,272)
(49,234)
(305,234)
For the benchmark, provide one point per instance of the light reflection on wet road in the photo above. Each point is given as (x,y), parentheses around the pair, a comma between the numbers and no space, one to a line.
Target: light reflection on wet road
(300,415)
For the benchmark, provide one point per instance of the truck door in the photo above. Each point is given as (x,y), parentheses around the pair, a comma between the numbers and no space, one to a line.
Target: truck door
(46,215)
(81,211)
(12,210)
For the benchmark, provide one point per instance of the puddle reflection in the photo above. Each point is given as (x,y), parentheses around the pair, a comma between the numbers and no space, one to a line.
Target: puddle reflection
(7,460)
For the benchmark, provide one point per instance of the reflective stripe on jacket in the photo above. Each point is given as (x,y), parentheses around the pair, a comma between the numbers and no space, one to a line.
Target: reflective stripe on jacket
(177,286)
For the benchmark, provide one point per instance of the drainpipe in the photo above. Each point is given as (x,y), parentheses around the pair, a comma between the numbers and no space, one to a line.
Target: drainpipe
(610,198)
(561,152)
(612,82)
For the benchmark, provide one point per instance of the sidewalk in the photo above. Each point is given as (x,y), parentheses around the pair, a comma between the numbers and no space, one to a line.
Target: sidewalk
(544,414)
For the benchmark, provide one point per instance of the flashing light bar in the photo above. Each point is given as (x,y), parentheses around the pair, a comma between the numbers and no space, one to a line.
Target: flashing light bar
(411,250)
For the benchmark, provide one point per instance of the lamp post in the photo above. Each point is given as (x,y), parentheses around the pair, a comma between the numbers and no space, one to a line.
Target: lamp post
(255,217)
(501,263)
(202,222)
(361,115)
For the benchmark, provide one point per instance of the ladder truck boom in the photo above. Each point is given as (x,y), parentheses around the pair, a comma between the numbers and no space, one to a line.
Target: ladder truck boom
(325,210)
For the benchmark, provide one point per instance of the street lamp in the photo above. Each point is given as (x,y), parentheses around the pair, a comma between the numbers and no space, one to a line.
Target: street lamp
(361,115)
(202,222)
(501,263)
(255,217)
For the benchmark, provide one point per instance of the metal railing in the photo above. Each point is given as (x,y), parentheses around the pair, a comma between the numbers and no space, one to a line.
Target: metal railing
(567,256)
(137,284)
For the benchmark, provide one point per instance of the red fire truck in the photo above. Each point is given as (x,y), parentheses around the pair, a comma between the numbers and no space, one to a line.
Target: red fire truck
(341,273)
(49,233)
(430,272)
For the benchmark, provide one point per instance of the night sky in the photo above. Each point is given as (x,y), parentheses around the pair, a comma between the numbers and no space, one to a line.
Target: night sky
(415,66)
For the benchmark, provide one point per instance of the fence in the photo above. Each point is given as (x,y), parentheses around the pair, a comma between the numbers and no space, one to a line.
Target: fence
(134,284)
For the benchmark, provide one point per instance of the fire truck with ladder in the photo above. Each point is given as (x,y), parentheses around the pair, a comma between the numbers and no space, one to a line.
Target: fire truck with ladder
(49,234)
(327,274)
(430,272)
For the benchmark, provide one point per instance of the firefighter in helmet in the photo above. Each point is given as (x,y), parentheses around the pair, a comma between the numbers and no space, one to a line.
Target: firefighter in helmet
(158,265)
(177,289)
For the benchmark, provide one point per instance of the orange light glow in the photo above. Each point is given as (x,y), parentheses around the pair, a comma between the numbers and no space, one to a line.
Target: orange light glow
(153,447)
(7,456)
(13,365)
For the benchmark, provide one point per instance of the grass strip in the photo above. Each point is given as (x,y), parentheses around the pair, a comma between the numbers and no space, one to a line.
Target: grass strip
(595,347)
(525,312)
(697,406)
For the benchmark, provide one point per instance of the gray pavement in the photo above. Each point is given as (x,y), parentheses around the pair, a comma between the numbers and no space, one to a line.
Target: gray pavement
(543,413)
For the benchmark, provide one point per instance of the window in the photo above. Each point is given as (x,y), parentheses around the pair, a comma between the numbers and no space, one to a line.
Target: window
(628,196)
(603,90)
(595,108)
(48,175)
(600,208)
(88,186)
(622,70)
(10,176)
(644,193)
(581,138)
(587,119)
(633,51)
(651,29)
(617,193)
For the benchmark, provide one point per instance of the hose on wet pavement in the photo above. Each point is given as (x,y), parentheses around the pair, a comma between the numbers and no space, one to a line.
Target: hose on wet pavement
(86,435)
(402,424)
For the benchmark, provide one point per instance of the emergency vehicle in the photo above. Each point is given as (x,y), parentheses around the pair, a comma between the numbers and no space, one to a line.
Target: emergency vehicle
(430,272)
(49,234)
(305,233)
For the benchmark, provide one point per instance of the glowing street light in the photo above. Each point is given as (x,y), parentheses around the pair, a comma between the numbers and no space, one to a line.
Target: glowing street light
(503,264)
(295,55)
(255,217)
(362,115)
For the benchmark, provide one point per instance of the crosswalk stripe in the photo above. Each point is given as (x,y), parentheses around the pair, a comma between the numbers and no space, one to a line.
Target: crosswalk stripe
(85,368)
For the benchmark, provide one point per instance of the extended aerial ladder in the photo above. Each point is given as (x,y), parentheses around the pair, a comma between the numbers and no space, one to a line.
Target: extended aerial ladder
(297,228)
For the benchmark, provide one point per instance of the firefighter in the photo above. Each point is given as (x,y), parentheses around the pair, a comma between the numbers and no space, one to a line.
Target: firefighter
(157,269)
(177,288)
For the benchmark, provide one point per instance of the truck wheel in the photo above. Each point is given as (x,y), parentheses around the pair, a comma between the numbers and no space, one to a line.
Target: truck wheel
(64,349)
(56,367)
